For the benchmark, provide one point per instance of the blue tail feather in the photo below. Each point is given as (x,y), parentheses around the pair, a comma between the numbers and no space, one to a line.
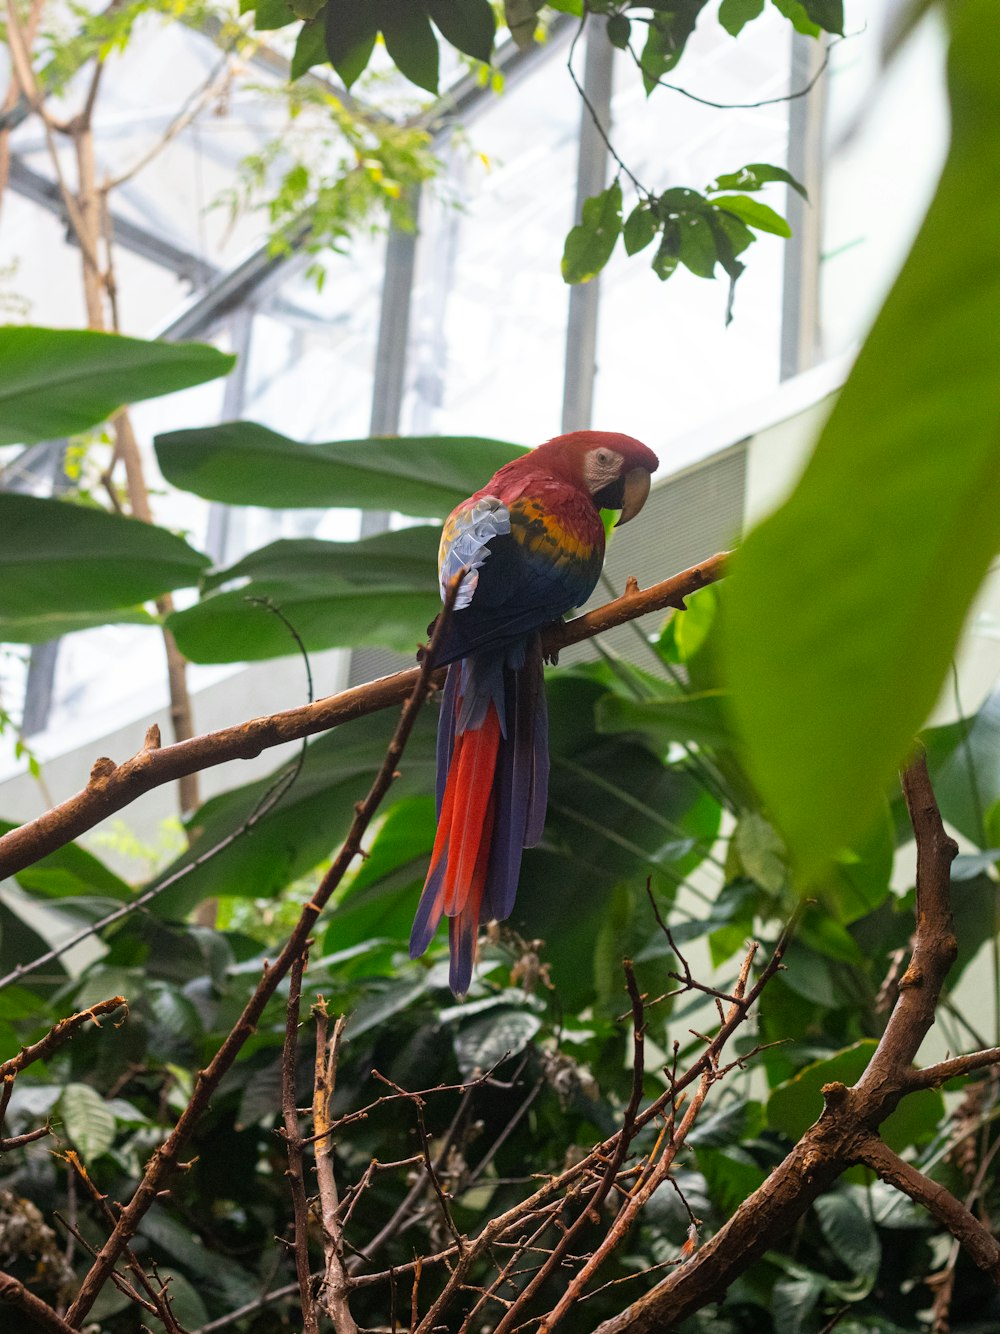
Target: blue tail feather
(428,914)
(446,729)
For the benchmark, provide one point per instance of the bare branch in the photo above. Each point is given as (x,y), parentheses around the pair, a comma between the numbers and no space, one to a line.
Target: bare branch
(967,1230)
(293,1145)
(38,1313)
(58,1034)
(335,1286)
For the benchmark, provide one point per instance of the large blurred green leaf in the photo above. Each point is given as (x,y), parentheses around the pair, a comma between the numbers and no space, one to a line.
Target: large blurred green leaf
(56,382)
(846,604)
(56,557)
(241,463)
(380,591)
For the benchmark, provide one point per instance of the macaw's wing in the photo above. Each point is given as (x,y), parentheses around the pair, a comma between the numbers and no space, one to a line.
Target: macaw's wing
(528,563)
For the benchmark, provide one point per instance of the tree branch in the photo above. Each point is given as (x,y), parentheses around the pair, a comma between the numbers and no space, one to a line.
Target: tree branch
(980,1244)
(57,1035)
(38,1313)
(293,1144)
(114,786)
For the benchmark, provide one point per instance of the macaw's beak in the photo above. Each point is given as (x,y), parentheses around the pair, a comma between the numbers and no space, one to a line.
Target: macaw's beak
(636,490)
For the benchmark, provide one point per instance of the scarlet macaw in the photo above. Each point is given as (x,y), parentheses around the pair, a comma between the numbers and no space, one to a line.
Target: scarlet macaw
(532,545)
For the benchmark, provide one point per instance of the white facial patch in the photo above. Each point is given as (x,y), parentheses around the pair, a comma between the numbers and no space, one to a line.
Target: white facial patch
(601,467)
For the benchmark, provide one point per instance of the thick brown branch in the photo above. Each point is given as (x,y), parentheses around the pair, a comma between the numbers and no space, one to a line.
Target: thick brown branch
(113,786)
(981,1245)
(38,1313)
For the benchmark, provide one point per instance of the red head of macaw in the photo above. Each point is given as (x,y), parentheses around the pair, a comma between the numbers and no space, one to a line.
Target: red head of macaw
(532,545)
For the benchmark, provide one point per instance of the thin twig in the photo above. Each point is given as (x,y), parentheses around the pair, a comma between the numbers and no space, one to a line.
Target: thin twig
(293,1145)
(333,1293)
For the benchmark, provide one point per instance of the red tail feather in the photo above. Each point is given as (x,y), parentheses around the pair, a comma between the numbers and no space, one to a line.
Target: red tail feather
(468,831)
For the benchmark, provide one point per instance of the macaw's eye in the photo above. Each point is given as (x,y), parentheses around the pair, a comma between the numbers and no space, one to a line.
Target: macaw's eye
(603,456)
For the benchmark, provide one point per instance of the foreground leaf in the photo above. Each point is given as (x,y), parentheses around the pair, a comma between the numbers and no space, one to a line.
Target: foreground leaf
(846,604)
(56,382)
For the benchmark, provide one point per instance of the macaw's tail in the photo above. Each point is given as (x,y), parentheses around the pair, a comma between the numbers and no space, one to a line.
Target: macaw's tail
(493,769)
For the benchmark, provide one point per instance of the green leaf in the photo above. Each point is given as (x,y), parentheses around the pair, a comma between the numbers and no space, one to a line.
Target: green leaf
(795,1105)
(829,14)
(827,641)
(381,591)
(677,716)
(380,900)
(470,25)
(406,556)
(619,31)
(521,17)
(754,176)
(241,463)
(410,40)
(310,48)
(850,1233)
(54,625)
(735,14)
(964,762)
(87,1120)
(272,14)
(482,1043)
(56,382)
(83,868)
(668,34)
(640,228)
(755,213)
(590,243)
(794,1300)
(230,628)
(350,29)
(58,557)
(310,819)
(761,852)
(731,1173)
(667,255)
(698,251)
(798,16)
(308,10)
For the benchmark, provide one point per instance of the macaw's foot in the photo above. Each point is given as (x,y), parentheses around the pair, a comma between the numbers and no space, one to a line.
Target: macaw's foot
(551,655)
